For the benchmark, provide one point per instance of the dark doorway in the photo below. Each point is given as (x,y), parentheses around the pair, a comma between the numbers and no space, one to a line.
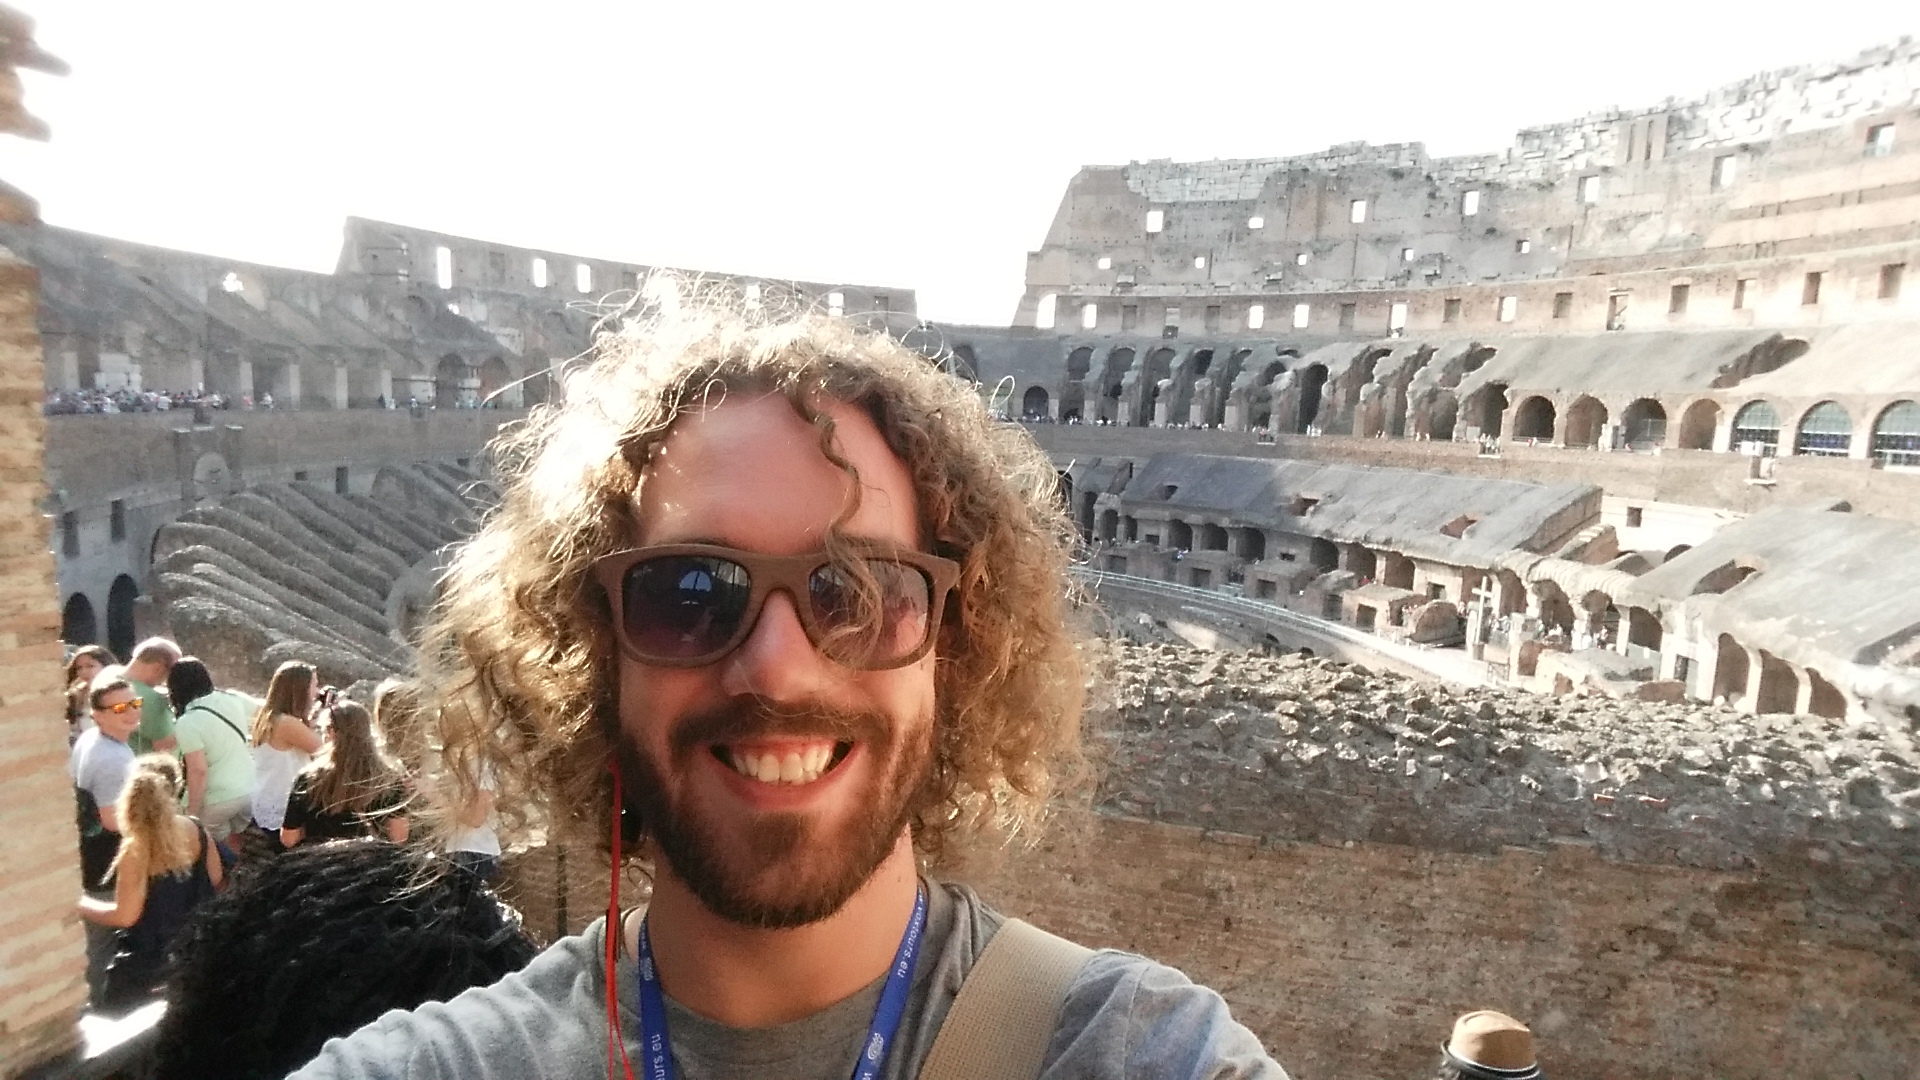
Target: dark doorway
(77,623)
(120,630)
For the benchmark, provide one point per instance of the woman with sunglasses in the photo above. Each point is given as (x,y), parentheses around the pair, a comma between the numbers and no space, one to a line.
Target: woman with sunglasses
(285,737)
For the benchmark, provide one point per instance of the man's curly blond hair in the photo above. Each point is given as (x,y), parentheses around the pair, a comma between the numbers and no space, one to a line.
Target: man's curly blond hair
(518,664)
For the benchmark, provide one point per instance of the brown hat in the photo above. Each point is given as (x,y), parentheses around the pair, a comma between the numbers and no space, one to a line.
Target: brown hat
(1492,1045)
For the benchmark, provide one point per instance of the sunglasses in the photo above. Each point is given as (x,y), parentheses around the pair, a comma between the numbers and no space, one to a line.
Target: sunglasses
(120,708)
(688,605)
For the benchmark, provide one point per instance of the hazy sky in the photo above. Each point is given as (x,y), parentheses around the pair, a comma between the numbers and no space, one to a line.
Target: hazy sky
(897,144)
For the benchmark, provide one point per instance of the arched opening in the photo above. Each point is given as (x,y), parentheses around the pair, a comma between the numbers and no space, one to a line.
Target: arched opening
(1779,688)
(1643,629)
(1159,368)
(1033,404)
(1179,536)
(1109,524)
(1079,361)
(1556,611)
(1442,417)
(1323,554)
(1824,698)
(1118,361)
(1313,382)
(1491,409)
(1676,551)
(1729,669)
(1826,431)
(1046,311)
(1896,436)
(1643,426)
(1586,419)
(454,382)
(1697,424)
(77,623)
(1534,419)
(121,634)
(494,378)
(966,366)
(1213,538)
(1398,572)
(1085,518)
(1248,544)
(1756,429)
(1362,562)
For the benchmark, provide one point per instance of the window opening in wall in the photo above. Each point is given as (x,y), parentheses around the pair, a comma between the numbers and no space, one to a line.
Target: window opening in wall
(583,277)
(1826,431)
(1357,211)
(1756,429)
(1105,263)
(1199,262)
(1300,313)
(1450,309)
(1723,167)
(455,308)
(1300,259)
(1636,517)
(1043,314)
(497,265)
(1522,247)
(1741,286)
(1589,189)
(1170,321)
(1347,312)
(1896,436)
(300,476)
(1810,288)
(70,533)
(443,267)
(1089,316)
(539,273)
(1470,204)
(1617,310)
(1256,316)
(232,282)
(1397,317)
(1677,298)
(1436,591)
(1213,318)
(837,305)
(1302,505)
(117,520)
(1563,305)
(753,294)
(1256,222)
(1880,140)
(630,280)
(1509,308)
(1890,278)
(1129,316)
(1156,220)
(1406,254)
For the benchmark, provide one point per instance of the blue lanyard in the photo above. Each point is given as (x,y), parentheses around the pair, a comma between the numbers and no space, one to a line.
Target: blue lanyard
(658,1050)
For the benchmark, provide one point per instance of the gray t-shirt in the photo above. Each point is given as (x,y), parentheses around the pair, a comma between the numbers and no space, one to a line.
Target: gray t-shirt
(1125,1017)
(100,766)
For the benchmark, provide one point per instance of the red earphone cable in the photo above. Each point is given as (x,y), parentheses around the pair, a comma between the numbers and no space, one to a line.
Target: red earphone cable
(613,930)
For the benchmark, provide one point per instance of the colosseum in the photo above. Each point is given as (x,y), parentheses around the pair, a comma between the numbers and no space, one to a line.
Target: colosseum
(1508,562)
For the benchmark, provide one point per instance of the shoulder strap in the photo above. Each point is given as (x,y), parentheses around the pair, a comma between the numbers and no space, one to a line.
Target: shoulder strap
(231,726)
(1002,1022)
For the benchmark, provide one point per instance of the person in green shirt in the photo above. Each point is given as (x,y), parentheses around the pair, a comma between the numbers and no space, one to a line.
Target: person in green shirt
(152,660)
(211,727)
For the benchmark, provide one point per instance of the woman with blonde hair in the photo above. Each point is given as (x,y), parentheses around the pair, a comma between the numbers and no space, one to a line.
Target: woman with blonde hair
(167,866)
(352,789)
(284,740)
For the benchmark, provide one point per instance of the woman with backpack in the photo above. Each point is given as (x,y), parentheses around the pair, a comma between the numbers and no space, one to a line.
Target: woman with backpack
(167,866)
(213,749)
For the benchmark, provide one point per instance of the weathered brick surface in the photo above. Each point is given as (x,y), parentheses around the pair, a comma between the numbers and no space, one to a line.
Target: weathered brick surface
(42,949)
(1351,960)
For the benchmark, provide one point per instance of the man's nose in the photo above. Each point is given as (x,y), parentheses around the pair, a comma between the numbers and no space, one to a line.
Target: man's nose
(777,661)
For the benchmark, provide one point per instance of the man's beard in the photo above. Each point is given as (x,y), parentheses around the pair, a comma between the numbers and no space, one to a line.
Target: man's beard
(789,869)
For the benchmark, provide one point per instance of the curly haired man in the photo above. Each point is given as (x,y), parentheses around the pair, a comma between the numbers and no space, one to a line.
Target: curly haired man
(775,602)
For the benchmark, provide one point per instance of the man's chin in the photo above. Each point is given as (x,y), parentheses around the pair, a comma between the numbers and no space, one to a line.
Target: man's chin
(784,875)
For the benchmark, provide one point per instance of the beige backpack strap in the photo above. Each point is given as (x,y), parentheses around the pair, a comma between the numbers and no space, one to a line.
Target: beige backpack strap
(1002,1021)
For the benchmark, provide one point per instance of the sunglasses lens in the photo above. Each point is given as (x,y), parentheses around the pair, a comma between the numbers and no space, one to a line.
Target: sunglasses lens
(871,613)
(680,607)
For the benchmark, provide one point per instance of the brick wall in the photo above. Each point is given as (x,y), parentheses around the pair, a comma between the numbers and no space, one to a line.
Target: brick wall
(1351,960)
(42,947)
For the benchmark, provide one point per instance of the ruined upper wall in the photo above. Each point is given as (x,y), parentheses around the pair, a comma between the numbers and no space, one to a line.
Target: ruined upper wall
(1787,167)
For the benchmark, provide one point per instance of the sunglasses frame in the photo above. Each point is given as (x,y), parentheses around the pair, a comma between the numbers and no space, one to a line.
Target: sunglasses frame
(121,708)
(791,574)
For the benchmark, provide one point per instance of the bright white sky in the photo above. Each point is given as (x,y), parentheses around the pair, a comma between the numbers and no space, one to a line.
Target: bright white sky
(889,143)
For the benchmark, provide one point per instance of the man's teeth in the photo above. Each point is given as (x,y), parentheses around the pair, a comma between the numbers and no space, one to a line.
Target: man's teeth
(793,767)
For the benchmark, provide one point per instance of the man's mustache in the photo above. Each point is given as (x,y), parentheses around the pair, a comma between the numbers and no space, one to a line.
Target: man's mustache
(750,716)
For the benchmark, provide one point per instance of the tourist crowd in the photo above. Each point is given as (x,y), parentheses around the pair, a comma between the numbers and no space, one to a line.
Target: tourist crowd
(74,402)
(179,784)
